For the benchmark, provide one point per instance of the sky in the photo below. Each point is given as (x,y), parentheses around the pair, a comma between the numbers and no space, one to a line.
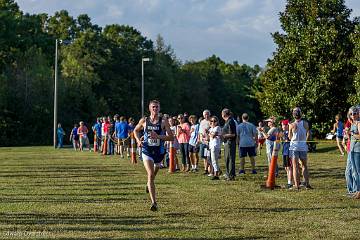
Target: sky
(234,30)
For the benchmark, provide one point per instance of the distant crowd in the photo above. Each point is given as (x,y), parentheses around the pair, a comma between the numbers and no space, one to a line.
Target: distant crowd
(202,139)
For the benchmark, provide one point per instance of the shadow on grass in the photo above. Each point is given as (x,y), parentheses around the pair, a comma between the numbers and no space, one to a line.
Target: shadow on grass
(334,173)
(87,223)
(63,175)
(182,238)
(63,200)
(326,149)
(284,210)
(67,219)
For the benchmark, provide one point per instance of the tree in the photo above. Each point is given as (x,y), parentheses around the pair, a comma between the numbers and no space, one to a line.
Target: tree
(355,98)
(62,26)
(311,66)
(163,75)
(122,74)
(214,84)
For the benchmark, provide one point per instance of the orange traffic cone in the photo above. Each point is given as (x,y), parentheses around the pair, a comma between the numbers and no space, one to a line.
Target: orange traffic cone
(104,149)
(133,148)
(95,143)
(172,153)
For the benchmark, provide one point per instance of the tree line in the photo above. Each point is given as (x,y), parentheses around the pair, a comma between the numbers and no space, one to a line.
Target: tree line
(316,66)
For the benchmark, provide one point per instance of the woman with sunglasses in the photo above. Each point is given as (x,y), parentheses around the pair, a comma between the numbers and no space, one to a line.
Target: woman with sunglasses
(183,137)
(355,149)
(215,145)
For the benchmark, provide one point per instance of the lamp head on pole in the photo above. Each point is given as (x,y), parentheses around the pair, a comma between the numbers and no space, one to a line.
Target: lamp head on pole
(146,59)
(65,42)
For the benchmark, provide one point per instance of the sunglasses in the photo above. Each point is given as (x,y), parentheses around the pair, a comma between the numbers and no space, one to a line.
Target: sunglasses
(354,113)
(213,121)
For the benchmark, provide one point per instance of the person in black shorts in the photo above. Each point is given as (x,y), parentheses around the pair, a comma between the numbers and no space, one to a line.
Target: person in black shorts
(247,137)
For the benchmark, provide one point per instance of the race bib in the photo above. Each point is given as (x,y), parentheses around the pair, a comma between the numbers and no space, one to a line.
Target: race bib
(153,142)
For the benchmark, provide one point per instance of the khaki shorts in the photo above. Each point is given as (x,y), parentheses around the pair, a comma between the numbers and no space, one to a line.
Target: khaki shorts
(124,142)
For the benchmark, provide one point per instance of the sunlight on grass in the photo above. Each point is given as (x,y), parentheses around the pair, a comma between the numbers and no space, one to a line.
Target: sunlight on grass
(47,193)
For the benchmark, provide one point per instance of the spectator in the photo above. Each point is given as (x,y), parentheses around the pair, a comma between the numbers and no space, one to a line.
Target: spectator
(204,143)
(355,150)
(247,137)
(183,137)
(229,136)
(122,133)
(194,143)
(338,130)
(261,138)
(214,146)
(97,132)
(349,176)
(299,133)
(74,137)
(270,137)
(60,135)
(82,132)
(285,152)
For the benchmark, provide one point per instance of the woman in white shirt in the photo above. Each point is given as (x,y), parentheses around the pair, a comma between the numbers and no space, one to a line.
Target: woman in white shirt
(215,145)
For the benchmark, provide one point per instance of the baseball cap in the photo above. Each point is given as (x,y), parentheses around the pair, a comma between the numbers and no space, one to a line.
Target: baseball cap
(285,122)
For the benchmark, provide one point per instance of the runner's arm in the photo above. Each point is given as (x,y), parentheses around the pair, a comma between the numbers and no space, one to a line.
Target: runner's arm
(138,128)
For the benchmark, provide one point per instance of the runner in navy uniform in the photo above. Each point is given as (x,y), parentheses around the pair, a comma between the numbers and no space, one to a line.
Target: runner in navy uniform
(152,143)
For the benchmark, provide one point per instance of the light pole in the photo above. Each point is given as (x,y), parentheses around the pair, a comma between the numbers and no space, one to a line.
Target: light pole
(142,84)
(65,42)
(55,91)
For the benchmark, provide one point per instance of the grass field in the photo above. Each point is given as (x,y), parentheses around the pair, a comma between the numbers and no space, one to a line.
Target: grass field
(61,194)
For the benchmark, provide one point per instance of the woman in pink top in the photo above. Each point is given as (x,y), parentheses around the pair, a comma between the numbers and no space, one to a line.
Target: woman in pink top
(183,137)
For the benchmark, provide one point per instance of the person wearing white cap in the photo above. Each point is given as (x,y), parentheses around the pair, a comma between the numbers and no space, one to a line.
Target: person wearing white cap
(270,137)
(299,134)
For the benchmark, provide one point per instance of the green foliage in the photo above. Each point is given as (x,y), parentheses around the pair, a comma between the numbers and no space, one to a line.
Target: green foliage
(311,67)
(217,84)
(355,98)
(100,71)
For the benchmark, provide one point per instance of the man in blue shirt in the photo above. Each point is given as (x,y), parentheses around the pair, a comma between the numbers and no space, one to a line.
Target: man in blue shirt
(247,135)
(122,133)
(97,131)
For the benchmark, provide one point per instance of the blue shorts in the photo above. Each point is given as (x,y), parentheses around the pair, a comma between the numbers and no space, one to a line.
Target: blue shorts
(203,147)
(247,151)
(155,158)
(302,155)
(193,149)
